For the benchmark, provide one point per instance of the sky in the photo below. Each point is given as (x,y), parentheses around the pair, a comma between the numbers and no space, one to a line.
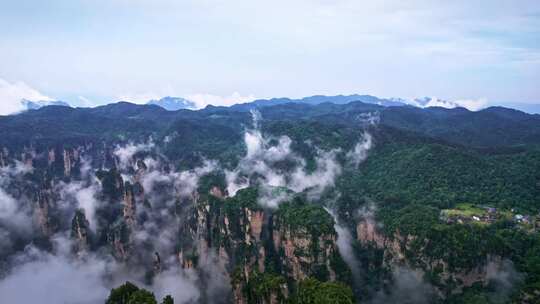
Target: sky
(90,52)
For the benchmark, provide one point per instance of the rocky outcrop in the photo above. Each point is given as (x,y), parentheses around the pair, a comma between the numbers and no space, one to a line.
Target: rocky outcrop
(224,236)
(255,219)
(241,238)
(157,263)
(186,262)
(80,232)
(129,210)
(397,253)
(112,185)
(458,279)
(42,213)
(27,158)
(3,157)
(51,157)
(118,238)
(68,162)
(305,254)
(141,169)
(369,234)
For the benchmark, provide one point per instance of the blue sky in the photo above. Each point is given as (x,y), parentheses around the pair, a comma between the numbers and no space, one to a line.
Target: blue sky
(97,51)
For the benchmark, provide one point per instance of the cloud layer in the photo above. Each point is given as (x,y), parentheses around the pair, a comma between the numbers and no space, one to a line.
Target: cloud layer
(455,49)
(11,95)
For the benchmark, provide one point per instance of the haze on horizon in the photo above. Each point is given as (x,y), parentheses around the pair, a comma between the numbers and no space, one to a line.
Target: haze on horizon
(223,52)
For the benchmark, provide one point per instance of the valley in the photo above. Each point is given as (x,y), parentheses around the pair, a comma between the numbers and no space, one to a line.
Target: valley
(286,203)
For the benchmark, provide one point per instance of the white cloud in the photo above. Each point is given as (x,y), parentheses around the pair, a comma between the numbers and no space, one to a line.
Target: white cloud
(85,196)
(184,182)
(345,246)
(426,102)
(359,153)
(323,177)
(14,171)
(180,285)
(125,153)
(408,286)
(472,104)
(11,95)
(85,102)
(56,277)
(141,98)
(202,100)
(436,102)
(53,279)
(262,154)
(13,214)
(310,47)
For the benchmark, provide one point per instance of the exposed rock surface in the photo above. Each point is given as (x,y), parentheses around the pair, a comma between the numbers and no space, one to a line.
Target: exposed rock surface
(80,232)
(43,213)
(247,240)
(396,250)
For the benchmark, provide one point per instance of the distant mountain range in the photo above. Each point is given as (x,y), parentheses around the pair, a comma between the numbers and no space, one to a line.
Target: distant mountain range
(173,103)
(493,126)
(178,103)
(426,102)
(525,107)
(104,176)
(34,105)
(318,99)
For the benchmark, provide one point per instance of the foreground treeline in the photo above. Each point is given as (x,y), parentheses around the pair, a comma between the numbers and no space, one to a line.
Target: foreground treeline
(310,291)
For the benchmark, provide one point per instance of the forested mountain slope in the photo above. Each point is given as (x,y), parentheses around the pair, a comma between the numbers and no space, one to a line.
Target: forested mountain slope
(355,202)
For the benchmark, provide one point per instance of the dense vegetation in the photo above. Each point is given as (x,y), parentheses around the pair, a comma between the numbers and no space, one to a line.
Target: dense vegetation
(443,176)
(463,246)
(311,291)
(304,217)
(262,287)
(423,161)
(129,293)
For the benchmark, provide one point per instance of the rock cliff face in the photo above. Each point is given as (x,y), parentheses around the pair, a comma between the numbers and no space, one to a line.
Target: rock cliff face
(397,252)
(3,157)
(68,162)
(27,156)
(369,234)
(43,210)
(59,162)
(129,210)
(244,240)
(218,233)
(305,254)
(80,232)
(119,239)
(233,236)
